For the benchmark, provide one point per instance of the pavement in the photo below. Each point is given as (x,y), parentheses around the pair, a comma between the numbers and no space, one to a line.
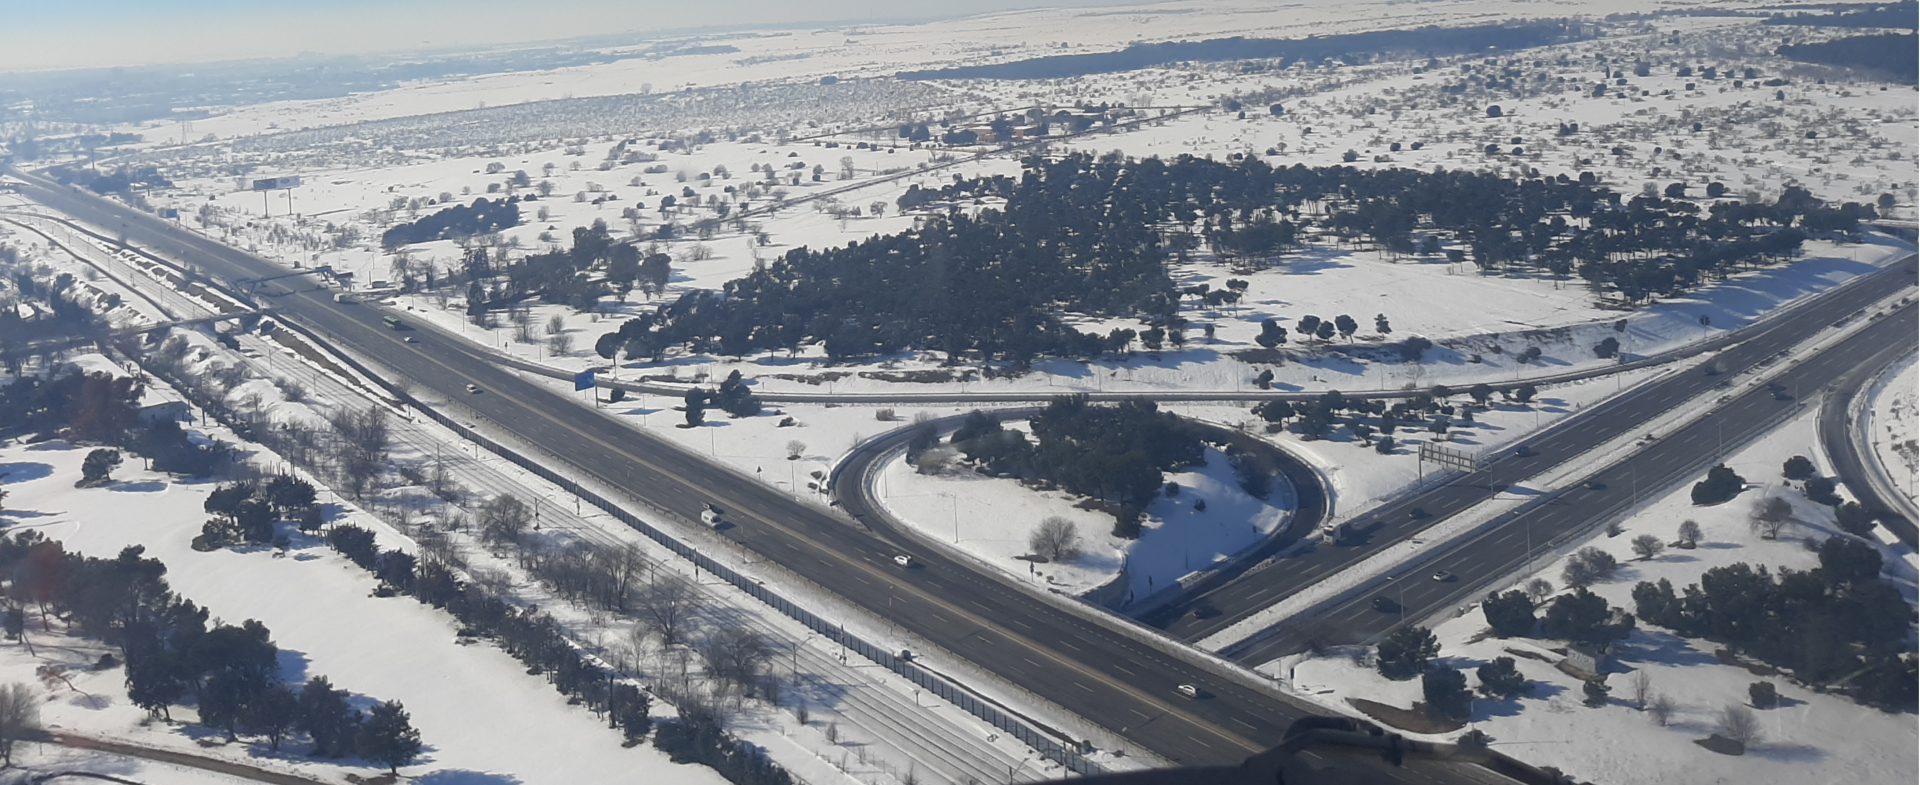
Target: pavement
(1087,663)
(1846,446)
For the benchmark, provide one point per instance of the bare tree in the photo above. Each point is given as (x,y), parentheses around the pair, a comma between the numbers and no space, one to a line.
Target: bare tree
(1689,533)
(617,572)
(556,324)
(795,449)
(1055,539)
(1539,589)
(1660,709)
(1640,686)
(504,520)
(735,653)
(1738,723)
(19,717)
(1647,546)
(668,605)
(559,344)
(1769,515)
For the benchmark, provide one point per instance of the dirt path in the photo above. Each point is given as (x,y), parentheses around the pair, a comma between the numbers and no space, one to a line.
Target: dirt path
(182,759)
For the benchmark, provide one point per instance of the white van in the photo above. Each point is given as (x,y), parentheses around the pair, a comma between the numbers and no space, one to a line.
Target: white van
(710,515)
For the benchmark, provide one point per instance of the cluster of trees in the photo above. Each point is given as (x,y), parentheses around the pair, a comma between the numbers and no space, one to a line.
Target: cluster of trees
(1092,234)
(1115,453)
(247,510)
(1721,484)
(172,655)
(483,216)
(1374,423)
(1409,651)
(1891,53)
(101,409)
(122,180)
(1838,624)
(732,396)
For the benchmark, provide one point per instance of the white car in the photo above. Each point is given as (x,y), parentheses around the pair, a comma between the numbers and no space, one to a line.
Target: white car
(1188,690)
(473,388)
(903,560)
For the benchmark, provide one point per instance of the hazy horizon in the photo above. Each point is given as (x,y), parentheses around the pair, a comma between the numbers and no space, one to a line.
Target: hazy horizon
(73,34)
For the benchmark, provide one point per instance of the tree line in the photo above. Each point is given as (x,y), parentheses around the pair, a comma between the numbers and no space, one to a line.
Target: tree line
(483,216)
(173,656)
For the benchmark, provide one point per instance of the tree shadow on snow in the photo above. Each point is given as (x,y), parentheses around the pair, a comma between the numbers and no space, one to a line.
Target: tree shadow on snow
(465,777)
(1775,751)
(293,666)
(144,486)
(1664,647)
(23,471)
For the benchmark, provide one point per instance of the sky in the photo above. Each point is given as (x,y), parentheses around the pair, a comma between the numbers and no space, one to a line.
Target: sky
(55,34)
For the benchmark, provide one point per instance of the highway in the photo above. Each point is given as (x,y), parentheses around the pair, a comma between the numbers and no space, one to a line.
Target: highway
(1837,439)
(1087,663)
(1678,457)
(1397,520)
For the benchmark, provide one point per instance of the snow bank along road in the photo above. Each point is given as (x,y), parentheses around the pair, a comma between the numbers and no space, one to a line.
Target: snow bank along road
(1088,664)
(1840,439)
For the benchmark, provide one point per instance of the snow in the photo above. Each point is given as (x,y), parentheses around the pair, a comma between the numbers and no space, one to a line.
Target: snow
(1893,422)
(326,622)
(1000,514)
(1813,737)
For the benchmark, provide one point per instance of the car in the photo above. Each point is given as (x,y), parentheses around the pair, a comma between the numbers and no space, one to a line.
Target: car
(903,560)
(408,339)
(1594,485)
(472,388)
(1188,690)
(710,515)
(1782,395)
(1522,451)
(1418,513)
(1385,605)
(1443,576)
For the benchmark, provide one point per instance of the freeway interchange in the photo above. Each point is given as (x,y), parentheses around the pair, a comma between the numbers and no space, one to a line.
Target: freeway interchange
(1105,669)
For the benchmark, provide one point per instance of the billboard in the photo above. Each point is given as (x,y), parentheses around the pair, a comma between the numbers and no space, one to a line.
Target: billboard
(275,183)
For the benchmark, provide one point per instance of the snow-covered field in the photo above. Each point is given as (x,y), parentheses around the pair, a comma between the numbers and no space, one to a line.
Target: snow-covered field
(481,716)
(1813,737)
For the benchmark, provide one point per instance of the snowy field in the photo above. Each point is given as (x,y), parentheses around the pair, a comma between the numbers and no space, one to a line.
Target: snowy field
(1812,737)
(483,719)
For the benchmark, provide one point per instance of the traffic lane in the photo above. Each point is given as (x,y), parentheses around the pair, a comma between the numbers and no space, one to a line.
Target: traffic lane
(1500,550)
(1179,736)
(1235,602)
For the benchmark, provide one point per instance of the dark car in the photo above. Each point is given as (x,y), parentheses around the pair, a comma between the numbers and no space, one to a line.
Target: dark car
(1595,485)
(1418,513)
(1385,605)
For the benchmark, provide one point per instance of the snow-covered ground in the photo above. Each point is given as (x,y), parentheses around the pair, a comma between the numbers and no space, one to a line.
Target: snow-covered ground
(1893,423)
(1813,737)
(992,519)
(479,713)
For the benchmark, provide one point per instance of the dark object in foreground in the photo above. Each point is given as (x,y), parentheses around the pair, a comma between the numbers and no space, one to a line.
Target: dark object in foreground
(1325,751)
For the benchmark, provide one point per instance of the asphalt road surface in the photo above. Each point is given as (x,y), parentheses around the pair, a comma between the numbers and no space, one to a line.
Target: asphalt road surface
(1089,664)
(1837,440)
(1680,456)
(1398,520)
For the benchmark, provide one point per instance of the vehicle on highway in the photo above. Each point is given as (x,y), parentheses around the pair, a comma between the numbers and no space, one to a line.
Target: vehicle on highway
(1443,576)
(1188,690)
(710,515)
(1594,485)
(1522,451)
(472,388)
(342,297)
(1418,513)
(1384,605)
(408,339)
(392,322)
(903,560)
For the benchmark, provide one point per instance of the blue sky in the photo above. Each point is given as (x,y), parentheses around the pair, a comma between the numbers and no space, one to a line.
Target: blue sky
(44,34)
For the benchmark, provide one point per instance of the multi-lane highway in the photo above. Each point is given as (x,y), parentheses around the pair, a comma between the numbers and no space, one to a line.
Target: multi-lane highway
(1838,438)
(1091,665)
(1410,515)
(1084,662)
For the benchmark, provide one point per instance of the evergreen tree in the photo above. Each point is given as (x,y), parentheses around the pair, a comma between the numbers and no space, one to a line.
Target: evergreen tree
(1445,690)
(1405,652)
(1510,614)
(387,737)
(1501,679)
